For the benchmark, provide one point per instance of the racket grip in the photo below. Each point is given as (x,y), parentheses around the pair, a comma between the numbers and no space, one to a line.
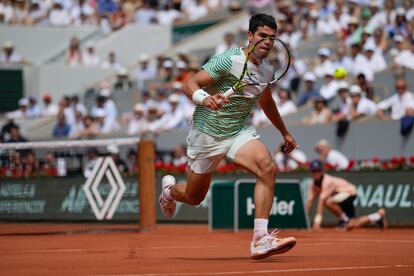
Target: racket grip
(229,92)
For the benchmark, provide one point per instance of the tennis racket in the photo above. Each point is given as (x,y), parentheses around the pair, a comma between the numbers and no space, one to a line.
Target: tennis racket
(266,62)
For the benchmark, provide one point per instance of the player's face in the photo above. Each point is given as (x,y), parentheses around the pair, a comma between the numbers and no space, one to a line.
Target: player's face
(269,36)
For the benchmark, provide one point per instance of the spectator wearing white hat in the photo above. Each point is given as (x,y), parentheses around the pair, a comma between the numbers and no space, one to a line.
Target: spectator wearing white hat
(360,105)
(409,7)
(144,72)
(376,60)
(398,103)
(109,105)
(399,26)
(9,56)
(228,43)
(324,62)
(20,113)
(90,58)
(331,156)
(330,85)
(405,57)
(137,124)
(309,92)
(196,10)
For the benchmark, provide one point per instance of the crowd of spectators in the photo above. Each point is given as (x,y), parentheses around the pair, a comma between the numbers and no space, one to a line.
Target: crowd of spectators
(108,14)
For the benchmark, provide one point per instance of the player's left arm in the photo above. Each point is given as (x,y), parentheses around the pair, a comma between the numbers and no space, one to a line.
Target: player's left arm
(270,109)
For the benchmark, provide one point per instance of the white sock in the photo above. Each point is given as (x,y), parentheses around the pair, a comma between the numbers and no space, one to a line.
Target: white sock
(344,217)
(260,228)
(167,194)
(374,217)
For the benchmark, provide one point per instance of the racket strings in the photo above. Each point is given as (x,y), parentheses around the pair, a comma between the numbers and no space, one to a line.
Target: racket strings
(270,68)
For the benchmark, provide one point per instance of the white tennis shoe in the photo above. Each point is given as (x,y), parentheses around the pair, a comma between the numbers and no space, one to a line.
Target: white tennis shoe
(167,206)
(270,245)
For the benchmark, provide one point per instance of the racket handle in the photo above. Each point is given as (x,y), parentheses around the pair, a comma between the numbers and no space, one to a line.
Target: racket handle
(229,92)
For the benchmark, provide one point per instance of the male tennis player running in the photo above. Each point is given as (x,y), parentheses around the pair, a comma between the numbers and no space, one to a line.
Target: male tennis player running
(220,130)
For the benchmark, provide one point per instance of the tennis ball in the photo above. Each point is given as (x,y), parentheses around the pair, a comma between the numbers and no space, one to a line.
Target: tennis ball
(340,73)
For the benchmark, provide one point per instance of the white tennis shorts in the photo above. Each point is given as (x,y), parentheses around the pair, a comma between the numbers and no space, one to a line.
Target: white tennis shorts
(204,152)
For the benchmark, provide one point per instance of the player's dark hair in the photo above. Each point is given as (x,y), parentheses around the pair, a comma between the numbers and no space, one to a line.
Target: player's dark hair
(260,20)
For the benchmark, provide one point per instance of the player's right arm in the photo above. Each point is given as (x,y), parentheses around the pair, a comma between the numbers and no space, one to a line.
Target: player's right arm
(192,89)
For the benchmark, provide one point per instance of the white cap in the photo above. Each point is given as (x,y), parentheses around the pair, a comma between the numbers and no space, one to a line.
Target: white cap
(139,107)
(174,98)
(400,11)
(373,3)
(314,13)
(168,64)
(322,142)
(309,76)
(343,85)
(99,112)
(181,64)
(143,58)
(324,52)
(8,44)
(113,149)
(122,71)
(369,46)
(90,44)
(355,90)
(24,102)
(398,38)
(105,92)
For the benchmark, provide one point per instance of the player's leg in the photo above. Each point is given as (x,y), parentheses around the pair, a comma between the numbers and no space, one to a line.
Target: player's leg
(378,218)
(191,192)
(254,156)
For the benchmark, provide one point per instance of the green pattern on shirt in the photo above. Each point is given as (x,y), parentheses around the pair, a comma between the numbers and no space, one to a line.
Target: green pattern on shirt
(233,116)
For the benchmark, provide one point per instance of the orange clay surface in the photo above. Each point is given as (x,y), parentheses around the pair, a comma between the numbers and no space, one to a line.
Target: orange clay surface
(177,249)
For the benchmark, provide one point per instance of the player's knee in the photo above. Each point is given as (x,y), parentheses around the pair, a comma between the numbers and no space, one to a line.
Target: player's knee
(267,168)
(329,202)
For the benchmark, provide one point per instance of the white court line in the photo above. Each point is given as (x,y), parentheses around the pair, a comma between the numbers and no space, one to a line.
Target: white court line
(269,271)
(367,240)
(137,246)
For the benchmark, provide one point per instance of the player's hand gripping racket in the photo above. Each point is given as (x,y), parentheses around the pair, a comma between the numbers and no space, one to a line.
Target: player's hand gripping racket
(266,62)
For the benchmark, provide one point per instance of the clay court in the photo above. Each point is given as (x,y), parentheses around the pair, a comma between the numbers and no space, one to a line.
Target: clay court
(50,249)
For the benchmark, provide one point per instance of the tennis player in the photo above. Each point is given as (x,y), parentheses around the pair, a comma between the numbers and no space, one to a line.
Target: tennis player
(219,130)
(337,195)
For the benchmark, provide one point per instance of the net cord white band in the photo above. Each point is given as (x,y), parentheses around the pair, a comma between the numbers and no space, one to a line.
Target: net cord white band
(69,144)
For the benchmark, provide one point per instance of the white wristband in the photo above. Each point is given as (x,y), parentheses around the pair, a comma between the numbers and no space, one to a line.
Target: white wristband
(199,96)
(317,219)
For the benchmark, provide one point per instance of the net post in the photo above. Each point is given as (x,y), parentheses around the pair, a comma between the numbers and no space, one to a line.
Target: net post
(146,185)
